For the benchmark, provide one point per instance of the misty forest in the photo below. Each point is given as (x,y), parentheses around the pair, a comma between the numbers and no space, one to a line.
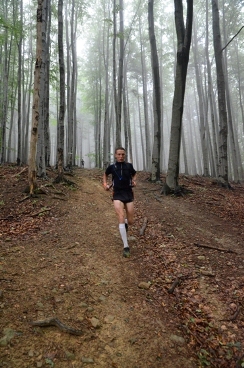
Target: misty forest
(165,80)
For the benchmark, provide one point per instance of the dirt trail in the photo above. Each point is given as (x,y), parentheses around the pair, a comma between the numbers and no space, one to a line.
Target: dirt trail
(74,271)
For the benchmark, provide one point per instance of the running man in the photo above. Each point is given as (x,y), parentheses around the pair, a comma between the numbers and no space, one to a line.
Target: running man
(123,179)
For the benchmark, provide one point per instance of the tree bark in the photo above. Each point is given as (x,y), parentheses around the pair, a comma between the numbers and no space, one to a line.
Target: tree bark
(183,49)
(155,171)
(35,107)
(223,124)
(62,93)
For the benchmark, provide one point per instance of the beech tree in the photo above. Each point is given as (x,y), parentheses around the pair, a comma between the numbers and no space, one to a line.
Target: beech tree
(32,173)
(184,34)
(223,125)
(62,94)
(155,171)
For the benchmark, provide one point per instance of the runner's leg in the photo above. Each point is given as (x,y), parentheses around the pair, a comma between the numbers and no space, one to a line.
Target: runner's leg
(119,209)
(129,208)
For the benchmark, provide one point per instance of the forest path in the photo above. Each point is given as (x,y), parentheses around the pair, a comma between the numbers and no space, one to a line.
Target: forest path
(74,271)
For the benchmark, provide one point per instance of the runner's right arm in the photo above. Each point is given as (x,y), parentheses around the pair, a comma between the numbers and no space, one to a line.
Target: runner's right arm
(105,182)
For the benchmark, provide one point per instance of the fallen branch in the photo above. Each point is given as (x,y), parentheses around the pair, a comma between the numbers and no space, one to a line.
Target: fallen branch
(158,198)
(178,282)
(56,322)
(142,230)
(61,199)
(43,210)
(24,199)
(235,315)
(21,172)
(215,248)
(175,283)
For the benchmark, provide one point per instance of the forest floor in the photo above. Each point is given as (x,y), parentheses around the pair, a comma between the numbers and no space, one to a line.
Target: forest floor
(68,298)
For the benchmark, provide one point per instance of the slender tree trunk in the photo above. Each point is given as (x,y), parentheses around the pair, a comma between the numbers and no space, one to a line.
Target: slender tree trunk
(235,156)
(106,128)
(41,165)
(183,49)
(121,69)
(223,133)
(118,132)
(213,122)
(128,122)
(19,158)
(145,101)
(155,172)
(46,101)
(201,105)
(74,78)
(35,107)
(62,93)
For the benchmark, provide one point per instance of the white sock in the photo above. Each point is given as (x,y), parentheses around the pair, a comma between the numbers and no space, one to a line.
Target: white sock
(123,234)
(126,221)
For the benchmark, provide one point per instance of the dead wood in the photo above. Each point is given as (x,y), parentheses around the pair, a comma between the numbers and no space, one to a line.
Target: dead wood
(24,199)
(39,212)
(175,283)
(145,190)
(56,322)
(215,248)
(235,315)
(61,199)
(21,172)
(178,282)
(142,230)
(158,198)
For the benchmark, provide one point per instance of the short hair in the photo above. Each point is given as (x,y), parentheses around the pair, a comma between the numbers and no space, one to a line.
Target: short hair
(119,148)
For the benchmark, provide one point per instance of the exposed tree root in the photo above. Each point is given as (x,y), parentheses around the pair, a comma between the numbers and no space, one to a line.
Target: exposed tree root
(179,191)
(56,322)
(142,230)
(62,179)
(215,248)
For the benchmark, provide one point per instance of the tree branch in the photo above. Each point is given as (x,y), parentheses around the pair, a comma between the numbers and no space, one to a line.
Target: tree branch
(232,39)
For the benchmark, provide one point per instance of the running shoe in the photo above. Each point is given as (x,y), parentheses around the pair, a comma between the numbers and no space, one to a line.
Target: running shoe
(126,252)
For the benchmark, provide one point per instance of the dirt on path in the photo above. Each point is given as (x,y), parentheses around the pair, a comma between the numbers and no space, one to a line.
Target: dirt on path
(176,302)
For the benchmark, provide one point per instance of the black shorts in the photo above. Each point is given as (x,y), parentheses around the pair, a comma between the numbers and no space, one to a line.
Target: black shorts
(125,196)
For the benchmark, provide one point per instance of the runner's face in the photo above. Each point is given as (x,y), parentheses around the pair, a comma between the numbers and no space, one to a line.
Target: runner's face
(120,155)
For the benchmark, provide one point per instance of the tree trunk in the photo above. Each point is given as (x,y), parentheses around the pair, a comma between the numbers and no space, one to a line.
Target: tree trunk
(106,126)
(41,165)
(183,49)
(35,107)
(223,133)
(155,172)
(201,105)
(118,129)
(145,102)
(62,93)
(121,69)
(19,158)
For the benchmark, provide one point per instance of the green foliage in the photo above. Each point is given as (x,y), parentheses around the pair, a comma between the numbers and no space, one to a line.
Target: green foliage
(92,156)
(203,356)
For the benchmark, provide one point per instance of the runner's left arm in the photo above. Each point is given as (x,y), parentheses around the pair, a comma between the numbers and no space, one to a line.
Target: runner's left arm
(133,176)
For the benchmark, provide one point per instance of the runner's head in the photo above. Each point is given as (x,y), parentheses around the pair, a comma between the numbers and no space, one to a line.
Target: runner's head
(120,154)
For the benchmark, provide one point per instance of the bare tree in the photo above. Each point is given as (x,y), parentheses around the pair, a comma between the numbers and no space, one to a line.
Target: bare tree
(183,48)
(155,171)
(62,94)
(223,123)
(35,108)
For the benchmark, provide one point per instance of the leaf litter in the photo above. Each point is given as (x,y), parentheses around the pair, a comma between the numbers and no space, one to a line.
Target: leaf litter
(179,297)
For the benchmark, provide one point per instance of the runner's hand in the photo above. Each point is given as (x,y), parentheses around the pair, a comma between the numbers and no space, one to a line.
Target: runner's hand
(106,186)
